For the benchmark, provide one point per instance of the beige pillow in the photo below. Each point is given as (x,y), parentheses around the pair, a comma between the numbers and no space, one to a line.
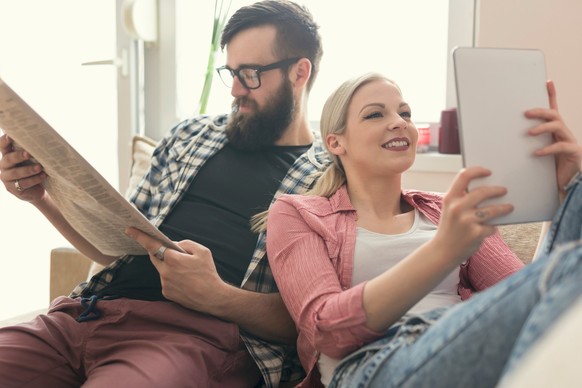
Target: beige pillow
(142,149)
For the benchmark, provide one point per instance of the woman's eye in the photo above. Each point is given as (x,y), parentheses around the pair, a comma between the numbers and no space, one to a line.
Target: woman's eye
(406,115)
(373,116)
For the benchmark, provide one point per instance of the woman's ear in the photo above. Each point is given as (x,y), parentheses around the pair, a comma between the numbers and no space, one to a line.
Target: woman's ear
(301,72)
(334,144)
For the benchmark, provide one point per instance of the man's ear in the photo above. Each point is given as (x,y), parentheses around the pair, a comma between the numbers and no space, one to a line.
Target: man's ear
(334,144)
(301,72)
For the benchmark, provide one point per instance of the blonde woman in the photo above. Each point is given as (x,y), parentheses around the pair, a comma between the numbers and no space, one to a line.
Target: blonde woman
(369,278)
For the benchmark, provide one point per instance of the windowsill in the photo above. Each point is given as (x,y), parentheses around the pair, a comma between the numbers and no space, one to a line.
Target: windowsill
(437,162)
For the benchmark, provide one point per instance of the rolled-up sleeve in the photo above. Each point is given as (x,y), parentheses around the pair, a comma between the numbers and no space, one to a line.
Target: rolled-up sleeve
(304,255)
(492,262)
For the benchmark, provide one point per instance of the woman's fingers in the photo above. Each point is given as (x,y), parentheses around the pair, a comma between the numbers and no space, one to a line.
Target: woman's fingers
(472,205)
(460,184)
(460,187)
(485,214)
(564,147)
(478,195)
(467,214)
(552,95)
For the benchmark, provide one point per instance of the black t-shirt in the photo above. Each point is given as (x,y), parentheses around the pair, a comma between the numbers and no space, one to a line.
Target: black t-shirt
(229,189)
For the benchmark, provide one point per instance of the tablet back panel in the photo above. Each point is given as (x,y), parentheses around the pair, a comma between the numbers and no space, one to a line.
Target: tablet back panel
(494,89)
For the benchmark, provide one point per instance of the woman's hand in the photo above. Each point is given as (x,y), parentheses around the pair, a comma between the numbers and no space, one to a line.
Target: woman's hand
(463,224)
(19,173)
(566,150)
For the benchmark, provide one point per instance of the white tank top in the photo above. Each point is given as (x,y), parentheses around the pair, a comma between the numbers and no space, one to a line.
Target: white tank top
(376,253)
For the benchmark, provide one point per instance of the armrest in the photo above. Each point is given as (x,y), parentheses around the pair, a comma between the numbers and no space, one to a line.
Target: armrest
(68,268)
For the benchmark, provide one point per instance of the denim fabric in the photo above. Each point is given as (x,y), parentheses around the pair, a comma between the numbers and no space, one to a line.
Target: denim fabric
(476,342)
(373,354)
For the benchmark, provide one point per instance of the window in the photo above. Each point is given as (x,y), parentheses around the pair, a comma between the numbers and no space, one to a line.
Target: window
(43,45)
(407,41)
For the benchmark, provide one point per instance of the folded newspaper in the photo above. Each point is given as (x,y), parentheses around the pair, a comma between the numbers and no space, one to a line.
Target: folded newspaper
(87,201)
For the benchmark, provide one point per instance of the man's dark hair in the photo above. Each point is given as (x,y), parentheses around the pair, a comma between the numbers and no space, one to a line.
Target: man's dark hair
(297,32)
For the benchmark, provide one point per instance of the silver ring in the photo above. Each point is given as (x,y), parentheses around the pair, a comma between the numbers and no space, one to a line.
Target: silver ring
(17,185)
(160,253)
(480,214)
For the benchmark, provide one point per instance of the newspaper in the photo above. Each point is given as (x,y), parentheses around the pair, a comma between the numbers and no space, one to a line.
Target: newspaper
(87,201)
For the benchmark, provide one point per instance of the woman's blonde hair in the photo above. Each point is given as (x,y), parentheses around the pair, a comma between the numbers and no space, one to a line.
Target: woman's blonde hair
(333,121)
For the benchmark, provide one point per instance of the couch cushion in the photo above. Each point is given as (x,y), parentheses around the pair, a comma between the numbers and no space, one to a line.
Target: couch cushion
(75,265)
(522,239)
(142,149)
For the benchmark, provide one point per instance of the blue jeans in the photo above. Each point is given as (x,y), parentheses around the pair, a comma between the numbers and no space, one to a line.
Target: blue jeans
(474,343)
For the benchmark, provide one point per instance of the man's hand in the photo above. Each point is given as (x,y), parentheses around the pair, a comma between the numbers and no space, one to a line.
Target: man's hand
(21,176)
(189,279)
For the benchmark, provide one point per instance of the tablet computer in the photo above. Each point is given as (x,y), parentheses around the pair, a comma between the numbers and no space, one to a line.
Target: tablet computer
(495,86)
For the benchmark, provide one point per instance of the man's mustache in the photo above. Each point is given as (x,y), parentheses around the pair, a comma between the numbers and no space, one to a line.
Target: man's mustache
(242,101)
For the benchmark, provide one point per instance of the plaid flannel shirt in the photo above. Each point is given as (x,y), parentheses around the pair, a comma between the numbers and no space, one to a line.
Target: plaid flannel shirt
(175,162)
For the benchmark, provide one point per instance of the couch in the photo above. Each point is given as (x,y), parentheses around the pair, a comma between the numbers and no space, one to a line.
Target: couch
(68,268)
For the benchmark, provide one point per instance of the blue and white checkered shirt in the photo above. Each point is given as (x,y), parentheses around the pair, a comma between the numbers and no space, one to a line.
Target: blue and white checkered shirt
(175,162)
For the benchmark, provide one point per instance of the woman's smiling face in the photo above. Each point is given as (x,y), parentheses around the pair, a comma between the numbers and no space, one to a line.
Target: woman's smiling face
(380,136)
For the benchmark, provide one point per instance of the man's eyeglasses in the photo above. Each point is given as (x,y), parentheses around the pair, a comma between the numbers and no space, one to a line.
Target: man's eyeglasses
(250,76)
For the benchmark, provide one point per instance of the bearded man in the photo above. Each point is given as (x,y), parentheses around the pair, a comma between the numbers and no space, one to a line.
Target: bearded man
(211,316)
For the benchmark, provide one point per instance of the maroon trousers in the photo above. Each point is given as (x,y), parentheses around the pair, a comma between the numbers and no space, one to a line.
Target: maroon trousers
(133,344)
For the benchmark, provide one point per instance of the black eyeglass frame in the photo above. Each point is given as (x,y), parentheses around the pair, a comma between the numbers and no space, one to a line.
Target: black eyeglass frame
(257,69)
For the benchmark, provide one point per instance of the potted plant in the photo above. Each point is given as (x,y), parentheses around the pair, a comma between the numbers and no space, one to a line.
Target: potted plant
(220,15)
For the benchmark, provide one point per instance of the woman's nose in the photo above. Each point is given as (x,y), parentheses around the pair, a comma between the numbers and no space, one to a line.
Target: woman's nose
(397,122)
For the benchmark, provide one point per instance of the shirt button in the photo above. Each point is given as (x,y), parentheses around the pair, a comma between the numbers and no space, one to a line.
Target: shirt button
(344,288)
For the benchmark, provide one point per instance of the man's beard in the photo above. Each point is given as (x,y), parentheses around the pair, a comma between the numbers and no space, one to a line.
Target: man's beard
(264,127)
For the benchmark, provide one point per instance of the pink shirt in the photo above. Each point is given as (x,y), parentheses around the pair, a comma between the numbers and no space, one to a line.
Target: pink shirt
(310,246)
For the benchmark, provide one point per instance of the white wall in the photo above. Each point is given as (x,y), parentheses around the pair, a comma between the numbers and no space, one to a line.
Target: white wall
(550,25)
